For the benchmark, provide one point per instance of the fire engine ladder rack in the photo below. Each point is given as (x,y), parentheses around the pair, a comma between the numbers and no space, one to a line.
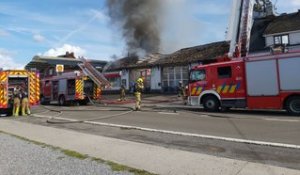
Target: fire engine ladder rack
(93,73)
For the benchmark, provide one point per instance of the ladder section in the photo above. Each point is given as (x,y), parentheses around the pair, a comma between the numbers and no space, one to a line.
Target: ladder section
(93,73)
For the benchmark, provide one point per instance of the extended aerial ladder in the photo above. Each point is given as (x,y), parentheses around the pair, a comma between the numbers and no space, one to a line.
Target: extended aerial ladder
(240,23)
(93,73)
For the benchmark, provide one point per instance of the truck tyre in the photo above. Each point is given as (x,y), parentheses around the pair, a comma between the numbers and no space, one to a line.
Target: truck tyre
(293,105)
(211,104)
(3,112)
(83,102)
(61,100)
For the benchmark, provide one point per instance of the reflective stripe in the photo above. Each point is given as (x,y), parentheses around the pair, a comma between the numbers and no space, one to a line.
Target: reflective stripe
(24,73)
(232,89)
(225,89)
(31,89)
(79,89)
(199,90)
(97,92)
(219,89)
(194,91)
(3,90)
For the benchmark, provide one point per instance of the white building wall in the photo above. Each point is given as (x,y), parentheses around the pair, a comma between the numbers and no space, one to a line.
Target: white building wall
(125,77)
(294,38)
(156,78)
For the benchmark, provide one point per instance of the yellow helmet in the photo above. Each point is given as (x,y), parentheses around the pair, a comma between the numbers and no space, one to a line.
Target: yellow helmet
(139,80)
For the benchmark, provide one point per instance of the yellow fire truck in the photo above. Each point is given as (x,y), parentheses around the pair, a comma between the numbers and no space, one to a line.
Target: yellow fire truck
(29,81)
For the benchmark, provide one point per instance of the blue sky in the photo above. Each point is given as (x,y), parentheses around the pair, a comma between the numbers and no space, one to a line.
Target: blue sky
(51,27)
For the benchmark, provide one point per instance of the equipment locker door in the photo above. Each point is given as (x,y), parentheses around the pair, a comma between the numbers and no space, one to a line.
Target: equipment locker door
(55,90)
(262,84)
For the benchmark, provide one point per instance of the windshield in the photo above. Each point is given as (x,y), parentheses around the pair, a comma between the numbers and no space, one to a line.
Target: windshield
(197,75)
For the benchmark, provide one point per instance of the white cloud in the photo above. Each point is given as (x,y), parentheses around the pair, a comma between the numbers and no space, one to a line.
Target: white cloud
(7,62)
(65,48)
(38,38)
(295,2)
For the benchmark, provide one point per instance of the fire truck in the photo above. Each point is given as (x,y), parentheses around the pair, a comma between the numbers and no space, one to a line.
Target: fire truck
(10,79)
(260,82)
(69,87)
(269,81)
(78,87)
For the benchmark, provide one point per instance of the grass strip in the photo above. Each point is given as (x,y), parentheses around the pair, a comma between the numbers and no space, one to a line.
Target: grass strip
(114,166)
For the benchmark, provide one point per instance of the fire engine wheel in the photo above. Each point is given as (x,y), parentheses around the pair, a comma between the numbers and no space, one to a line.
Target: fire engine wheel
(61,100)
(211,104)
(293,105)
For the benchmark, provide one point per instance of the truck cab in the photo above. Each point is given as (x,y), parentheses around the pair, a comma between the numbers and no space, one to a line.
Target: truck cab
(217,85)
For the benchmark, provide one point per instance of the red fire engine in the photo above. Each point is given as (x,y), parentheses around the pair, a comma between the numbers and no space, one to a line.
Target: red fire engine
(261,82)
(74,87)
(69,87)
(27,80)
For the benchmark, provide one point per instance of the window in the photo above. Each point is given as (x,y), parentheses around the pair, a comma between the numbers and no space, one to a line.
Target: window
(71,87)
(224,72)
(172,75)
(47,83)
(281,40)
(115,82)
(197,75)
(50,71)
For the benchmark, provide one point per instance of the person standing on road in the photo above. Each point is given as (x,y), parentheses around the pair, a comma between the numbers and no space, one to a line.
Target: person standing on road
(17,98)
(25,103)
(122,93)
(181,91)
(139,86)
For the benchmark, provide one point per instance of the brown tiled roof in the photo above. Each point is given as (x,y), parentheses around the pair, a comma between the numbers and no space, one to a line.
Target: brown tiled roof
(284,23)
(195,54)
(122,63)
(181,57)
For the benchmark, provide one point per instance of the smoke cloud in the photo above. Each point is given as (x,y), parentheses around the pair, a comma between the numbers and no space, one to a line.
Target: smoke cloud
(138,21)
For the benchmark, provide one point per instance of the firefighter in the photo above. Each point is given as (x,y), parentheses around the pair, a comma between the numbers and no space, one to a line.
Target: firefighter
(122,93)
(139,86)
(17,98)
(25,103)
(181,91)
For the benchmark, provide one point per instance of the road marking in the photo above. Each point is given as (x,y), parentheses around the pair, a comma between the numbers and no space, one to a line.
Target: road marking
(274,144)
(169,113)
(281,120)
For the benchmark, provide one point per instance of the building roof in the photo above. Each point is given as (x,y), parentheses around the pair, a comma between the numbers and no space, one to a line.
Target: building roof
(284,23)
(42,62)
(199,53)
(184,56)
(257,40)
(122,63)
(272,25)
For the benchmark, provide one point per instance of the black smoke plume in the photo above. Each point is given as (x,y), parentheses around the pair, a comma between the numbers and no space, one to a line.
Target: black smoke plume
(138,21)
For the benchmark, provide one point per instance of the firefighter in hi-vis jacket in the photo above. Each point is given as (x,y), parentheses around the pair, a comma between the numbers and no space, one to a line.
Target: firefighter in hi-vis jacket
(181,92)
(139,86)
(17,99)
(25,103)
(122,93)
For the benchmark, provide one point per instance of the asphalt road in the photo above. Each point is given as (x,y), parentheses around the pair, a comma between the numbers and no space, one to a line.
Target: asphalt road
(272,126)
